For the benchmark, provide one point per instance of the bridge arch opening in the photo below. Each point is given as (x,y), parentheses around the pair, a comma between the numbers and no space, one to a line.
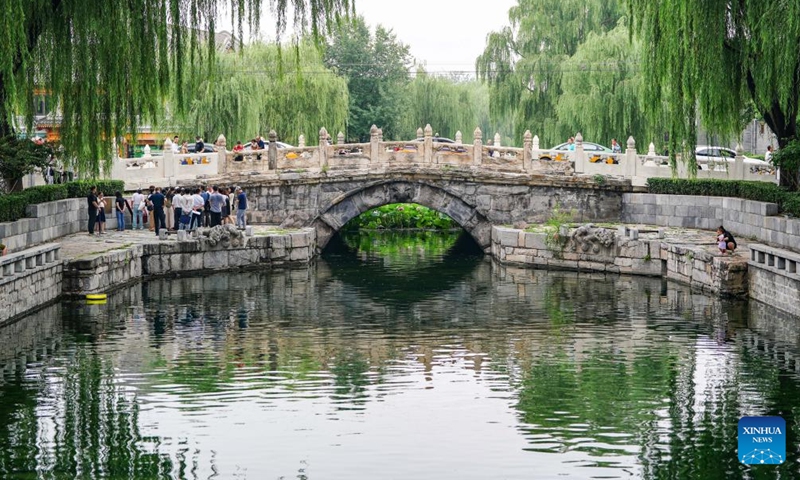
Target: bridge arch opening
(352,204)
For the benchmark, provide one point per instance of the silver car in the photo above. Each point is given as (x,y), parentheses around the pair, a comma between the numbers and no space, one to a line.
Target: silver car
(720,158)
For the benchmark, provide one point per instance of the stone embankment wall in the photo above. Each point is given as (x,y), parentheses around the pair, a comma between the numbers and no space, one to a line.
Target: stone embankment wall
(743,218)
(621,251)
(29,280)
(107,270)
(46,222)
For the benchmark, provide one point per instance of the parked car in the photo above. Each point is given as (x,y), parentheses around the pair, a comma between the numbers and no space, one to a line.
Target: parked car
(594,151)
(437,139)
(207,148)
(247,147)
(720,158)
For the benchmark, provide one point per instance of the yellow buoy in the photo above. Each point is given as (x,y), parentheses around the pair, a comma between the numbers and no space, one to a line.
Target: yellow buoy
(96,296)
(95,302)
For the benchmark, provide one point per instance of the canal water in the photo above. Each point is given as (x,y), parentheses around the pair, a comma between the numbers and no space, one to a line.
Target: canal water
(396,356)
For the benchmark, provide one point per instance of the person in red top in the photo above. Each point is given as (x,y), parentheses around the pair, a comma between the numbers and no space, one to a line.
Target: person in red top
(238,151)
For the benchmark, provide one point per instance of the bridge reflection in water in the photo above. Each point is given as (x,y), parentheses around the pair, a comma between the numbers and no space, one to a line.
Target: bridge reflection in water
(498,373)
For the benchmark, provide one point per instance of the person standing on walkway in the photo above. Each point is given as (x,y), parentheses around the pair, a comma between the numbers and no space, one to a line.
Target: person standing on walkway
(101,214)
(158,199)
(198,204)
(91,200)
(241,209)
(177,205)
(216,202)
(136,215)
(168,207)
(120,204)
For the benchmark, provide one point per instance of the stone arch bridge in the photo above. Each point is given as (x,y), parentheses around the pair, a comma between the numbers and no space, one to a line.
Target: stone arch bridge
(476,201)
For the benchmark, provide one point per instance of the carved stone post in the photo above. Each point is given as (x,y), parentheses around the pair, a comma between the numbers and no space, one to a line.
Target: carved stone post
(323,148)
(222,155)
(272,150)
(497,139)
(301,141)
(738,164)
(427,147)
(168,161)
(420,133)
(340,138)
(380,135)
(477,146)
(579,156)
(458,137)
(373,144)
(631,159)
(527,143)
(535,147)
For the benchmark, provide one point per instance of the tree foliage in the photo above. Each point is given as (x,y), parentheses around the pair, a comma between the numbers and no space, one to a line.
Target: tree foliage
(449,105)
(376,68)
(524,63)
(709,59)
(19,157)
(248,94)
(604,101)
(110,64)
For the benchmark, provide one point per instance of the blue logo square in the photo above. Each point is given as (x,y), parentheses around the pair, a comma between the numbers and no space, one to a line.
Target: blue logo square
(762,440)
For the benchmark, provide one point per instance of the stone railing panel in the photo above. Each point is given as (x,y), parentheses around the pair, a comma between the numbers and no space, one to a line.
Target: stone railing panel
(774,277)
(29,279)
(408,152)
(355,156)
(298,158)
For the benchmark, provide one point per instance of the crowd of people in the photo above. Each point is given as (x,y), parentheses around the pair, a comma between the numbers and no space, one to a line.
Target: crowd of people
(172,208)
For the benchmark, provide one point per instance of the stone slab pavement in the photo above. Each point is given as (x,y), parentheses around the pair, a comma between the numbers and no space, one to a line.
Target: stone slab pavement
(80,245)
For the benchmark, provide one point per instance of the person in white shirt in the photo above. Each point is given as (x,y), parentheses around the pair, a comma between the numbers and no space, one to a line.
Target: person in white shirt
(177,205)
(176,144)
(768,155)
(137,200)
(198,203)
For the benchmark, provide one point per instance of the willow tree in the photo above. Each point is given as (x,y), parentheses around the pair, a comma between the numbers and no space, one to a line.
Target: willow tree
(247,94)
(524,62)
(376,68)
(601,88)
(709,59)
(449,105)
(109,64)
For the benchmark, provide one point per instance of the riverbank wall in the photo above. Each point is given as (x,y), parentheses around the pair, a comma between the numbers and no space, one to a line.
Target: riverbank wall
(624,250)
(36,277)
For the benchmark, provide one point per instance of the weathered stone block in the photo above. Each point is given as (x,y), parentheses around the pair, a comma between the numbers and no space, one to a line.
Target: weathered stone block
(215,259)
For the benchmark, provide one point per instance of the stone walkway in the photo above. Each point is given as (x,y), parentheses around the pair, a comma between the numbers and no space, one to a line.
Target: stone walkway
(704,240)
(82,244)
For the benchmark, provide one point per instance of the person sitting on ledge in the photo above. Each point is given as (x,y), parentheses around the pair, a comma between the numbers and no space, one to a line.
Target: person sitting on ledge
(725,241)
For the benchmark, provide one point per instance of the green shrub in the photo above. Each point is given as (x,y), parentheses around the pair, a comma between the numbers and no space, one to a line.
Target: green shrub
(401,215)
(12,206)
(749,190)
(81,188)
(791,204)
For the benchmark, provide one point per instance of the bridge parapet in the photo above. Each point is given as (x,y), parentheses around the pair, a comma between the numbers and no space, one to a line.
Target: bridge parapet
(425,152)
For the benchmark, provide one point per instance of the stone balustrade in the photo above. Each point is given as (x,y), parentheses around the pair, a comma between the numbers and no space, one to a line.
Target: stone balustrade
(29,279)
(774,277)
(18,263)
(424,151)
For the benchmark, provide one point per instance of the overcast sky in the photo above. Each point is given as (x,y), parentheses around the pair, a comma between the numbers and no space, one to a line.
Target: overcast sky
(443,34)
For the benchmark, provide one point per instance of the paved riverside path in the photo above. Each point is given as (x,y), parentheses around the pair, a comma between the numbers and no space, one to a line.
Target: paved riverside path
(82,244)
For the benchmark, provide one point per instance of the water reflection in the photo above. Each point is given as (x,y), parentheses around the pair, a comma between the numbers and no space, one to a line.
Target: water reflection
(311,373)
